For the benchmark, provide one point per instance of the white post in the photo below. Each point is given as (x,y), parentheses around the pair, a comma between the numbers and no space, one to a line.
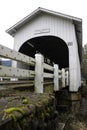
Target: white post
(39,73)
(1,78)
(63,78)
(14,64)
(74,64)
(67,78)
(56,77)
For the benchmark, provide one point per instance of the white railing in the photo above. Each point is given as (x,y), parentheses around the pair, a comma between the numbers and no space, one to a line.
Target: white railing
(51,72)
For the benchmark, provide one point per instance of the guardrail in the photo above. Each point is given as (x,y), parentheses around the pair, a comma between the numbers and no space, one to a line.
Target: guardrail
(42,70)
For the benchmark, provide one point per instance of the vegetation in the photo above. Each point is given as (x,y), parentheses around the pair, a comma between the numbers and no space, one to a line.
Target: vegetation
(84,62)
(9,112)
(25,101)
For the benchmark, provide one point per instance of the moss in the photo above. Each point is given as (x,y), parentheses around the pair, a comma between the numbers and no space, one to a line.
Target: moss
(25,101)
(12,109)
(42,101)
(48,88)
(9,112)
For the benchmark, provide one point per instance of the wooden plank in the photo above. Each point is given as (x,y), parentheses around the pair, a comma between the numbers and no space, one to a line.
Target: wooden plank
(21,85)
(48,67)
(48,75)
(16,82)
(59,71)
(15,72)
(60,76)
(14,55)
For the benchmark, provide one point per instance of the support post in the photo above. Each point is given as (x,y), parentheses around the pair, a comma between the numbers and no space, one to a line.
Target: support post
(74,64)
(74,101)
(63,78)
(67,78)
(56,77)
(14,64)
(39,73)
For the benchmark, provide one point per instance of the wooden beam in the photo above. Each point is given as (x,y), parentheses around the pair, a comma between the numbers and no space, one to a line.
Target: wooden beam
(14,55)
(15,72)
(48,75)
(48,67)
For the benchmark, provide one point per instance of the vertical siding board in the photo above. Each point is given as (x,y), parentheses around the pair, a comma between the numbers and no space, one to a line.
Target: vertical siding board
(60,27)
(57,26)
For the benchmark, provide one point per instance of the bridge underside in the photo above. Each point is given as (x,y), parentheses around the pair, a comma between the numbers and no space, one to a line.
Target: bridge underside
(51,47)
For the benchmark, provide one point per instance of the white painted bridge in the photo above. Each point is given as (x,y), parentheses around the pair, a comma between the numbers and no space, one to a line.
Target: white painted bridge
(45,34)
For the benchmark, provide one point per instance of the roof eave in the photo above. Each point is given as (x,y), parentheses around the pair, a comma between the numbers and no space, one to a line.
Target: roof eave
(12,30)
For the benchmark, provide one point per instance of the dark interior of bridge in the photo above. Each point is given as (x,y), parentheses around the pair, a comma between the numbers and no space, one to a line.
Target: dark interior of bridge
(51,47)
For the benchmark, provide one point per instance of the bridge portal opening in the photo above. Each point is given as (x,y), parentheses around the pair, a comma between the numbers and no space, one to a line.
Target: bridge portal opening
(51,47)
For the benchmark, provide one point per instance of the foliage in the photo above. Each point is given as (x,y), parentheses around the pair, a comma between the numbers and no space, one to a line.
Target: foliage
(84,62)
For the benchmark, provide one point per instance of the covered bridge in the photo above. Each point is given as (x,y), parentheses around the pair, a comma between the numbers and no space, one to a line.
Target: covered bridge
(56,36)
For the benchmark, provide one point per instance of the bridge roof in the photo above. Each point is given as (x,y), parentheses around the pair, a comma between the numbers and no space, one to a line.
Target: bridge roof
(76,21)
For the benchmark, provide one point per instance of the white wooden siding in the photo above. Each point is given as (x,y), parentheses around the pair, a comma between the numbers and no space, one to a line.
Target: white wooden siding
(45,25)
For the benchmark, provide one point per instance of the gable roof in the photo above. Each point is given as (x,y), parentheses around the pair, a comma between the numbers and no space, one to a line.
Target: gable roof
(76,21)
(12,30)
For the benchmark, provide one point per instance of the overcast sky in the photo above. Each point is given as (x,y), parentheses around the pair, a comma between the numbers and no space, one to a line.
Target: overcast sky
(11,11)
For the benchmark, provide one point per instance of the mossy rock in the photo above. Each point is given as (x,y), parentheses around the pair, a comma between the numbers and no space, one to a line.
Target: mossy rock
(25,101)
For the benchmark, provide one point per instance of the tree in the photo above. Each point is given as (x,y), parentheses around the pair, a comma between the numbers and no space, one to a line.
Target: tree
(84,62)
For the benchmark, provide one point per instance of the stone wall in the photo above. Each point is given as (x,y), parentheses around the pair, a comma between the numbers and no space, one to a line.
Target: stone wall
(39,114)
